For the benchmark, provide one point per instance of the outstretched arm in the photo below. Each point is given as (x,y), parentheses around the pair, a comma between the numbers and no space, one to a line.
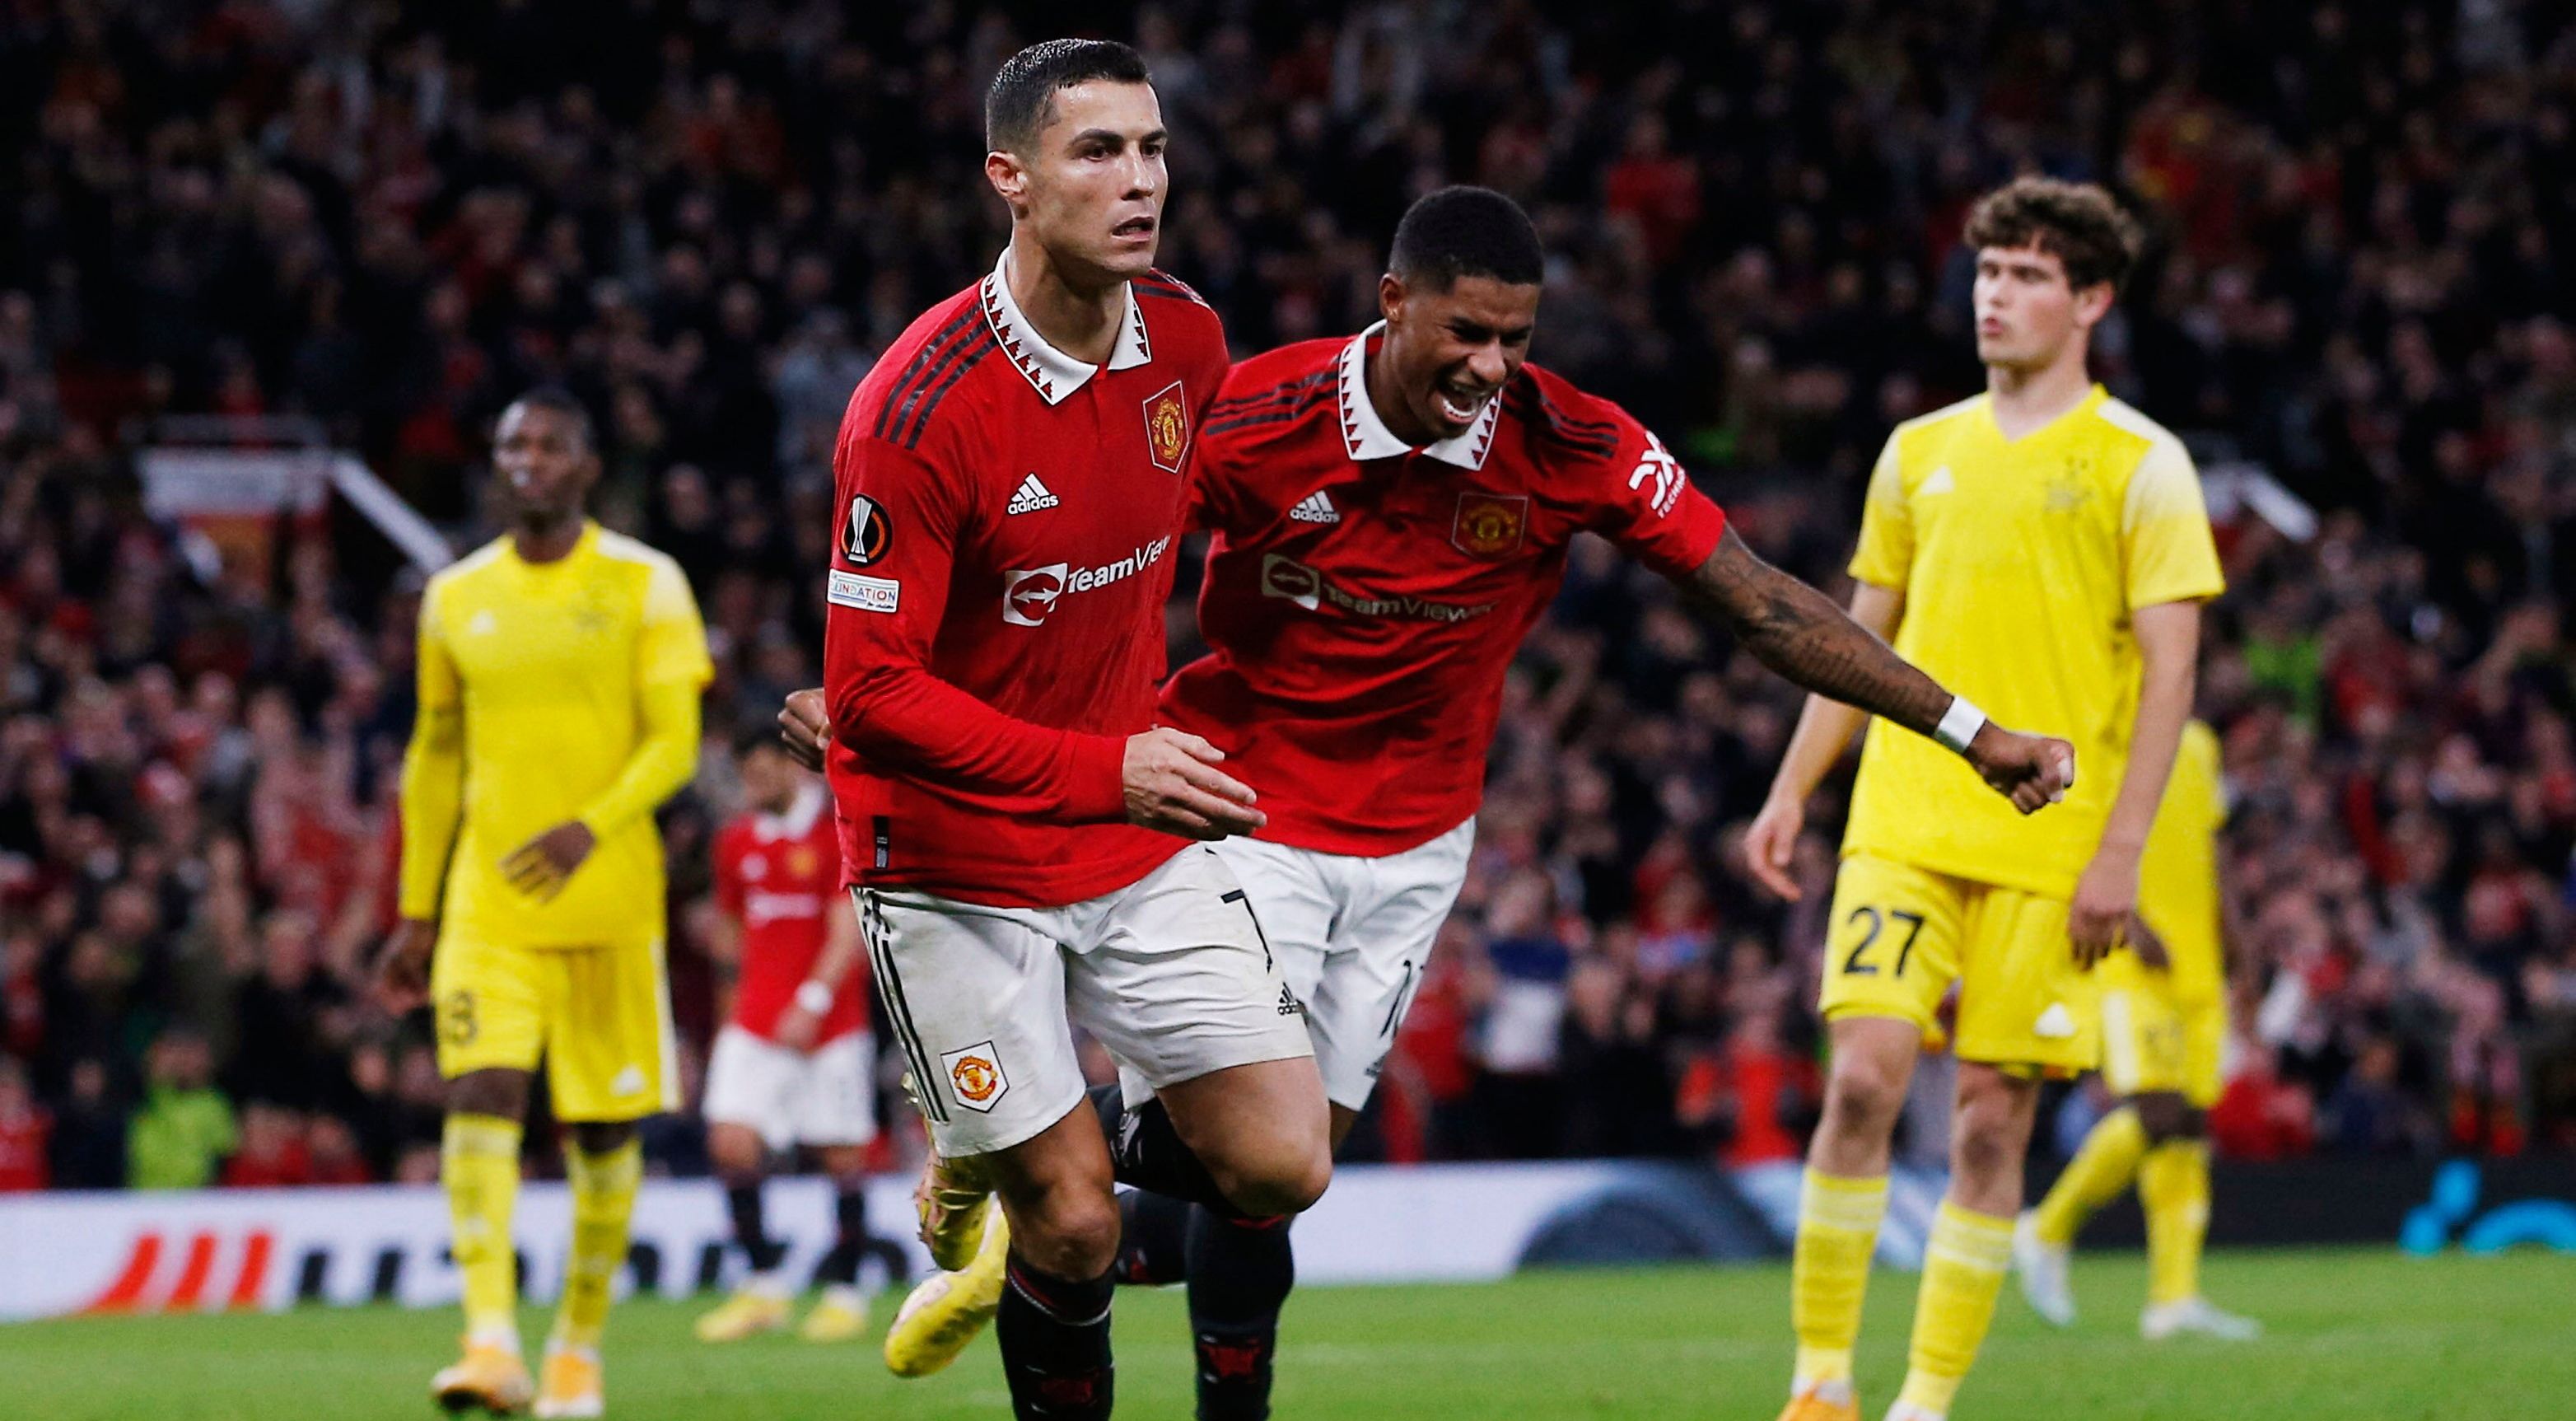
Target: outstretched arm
(1798,632)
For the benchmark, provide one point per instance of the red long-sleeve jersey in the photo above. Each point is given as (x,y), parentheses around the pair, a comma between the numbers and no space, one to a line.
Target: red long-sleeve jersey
(1008,525)
(1364,599)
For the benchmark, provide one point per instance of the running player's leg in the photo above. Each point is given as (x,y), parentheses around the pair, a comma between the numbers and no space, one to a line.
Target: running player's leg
(2173,1187)
(488,1045)
(976,997)
(747,1105)
(1889,958)
(2024,1008)
(1178,981)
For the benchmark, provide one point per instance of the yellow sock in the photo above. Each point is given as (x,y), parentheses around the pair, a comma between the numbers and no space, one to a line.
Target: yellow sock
(2095,1177)
(603,1200)
(1829,1271)
(2173,1185)
(1963,1269)
(478,1163)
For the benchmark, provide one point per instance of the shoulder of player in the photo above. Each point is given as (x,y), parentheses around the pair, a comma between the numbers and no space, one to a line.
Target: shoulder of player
(1269,391)
(2125,426)
(1563,422)
(617,547)
(1941,418)
(441,584)
(914,380)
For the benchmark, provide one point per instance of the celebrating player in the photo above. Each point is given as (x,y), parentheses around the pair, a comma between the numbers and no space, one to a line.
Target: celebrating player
(560,670)
(794,1065)
(2163,1025)
(2044,548)
(1019,835)
(1391,515)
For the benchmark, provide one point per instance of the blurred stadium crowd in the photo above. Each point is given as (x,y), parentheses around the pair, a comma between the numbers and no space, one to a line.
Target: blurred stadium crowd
(703,218)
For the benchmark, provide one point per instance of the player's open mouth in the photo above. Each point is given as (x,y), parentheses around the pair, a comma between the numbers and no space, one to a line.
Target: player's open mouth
(1460,408)
(1134,227)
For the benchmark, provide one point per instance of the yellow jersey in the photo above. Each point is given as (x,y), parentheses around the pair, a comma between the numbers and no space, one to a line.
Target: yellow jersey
(549,692)
(2020,561)
(2178,875)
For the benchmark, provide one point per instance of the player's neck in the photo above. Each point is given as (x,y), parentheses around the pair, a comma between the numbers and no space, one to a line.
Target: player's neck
(1379,383)
(1072,310)
(2026,398)
(541,540)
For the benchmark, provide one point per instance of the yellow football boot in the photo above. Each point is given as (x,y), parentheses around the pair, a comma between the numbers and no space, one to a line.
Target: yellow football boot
(841,1316)
(569,1389)
(1828,1402)
(942,1315)
(492,1378)
(747,1313)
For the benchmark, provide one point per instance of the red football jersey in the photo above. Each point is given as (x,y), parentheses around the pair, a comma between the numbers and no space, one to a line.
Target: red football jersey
(777,875)
(1008,516)
(1363,598)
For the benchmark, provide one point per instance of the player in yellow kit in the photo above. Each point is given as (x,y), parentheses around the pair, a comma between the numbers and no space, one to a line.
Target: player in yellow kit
(560,671)
(2043,550)
(2163,1028)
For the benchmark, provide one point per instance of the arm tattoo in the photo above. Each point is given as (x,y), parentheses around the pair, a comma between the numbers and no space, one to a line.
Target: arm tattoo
(1799,633)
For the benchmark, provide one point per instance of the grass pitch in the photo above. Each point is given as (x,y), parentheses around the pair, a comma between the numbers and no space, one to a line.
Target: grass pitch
(2360,1336)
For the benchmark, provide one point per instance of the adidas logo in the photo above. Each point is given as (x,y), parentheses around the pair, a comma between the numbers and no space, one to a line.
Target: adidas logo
(1030,497)
(1315,508)
(1939,482)
(1288,1003)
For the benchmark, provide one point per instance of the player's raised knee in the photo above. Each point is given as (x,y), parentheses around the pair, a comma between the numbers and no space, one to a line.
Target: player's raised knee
(1864,1092)
(1070,1232)
(1282,1181)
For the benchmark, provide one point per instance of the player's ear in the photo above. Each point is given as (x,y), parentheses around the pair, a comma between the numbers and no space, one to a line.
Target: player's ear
(2093,302)
(1006,175)
(1390,296)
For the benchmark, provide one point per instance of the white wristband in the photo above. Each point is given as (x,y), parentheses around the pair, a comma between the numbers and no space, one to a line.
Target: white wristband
(1959,725)
(814,997)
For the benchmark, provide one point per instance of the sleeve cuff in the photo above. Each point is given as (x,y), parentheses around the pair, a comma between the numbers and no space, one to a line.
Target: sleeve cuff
(1096,792)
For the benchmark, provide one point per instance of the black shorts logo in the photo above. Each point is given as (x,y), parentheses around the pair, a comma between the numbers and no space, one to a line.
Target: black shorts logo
(865,533)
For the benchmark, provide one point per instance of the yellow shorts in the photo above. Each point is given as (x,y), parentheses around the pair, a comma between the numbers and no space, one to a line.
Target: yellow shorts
(599,1017)
(1901,935)
(2153,1040)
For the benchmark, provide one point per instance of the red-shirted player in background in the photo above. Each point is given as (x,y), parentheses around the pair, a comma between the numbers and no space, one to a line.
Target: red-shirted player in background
(1391,515)
(1018,835)
(794,1064)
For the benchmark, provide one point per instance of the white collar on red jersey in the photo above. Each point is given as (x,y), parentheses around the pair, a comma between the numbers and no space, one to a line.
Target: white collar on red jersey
(1367,437)
(797,821)
(1052,373)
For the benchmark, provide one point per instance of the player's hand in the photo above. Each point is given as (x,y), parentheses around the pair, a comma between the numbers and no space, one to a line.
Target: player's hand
(2106,899)
(402,972)
(541,866)
(1173,785)
(805,726)
(2149,947)
(796,1028)
(1771,846)
(2033,771)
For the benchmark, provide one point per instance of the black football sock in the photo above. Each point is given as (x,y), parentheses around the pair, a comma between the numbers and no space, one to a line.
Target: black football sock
(1153,1239)
(1055,1344)
(840,1267)
(1240,1273)
(742,1200)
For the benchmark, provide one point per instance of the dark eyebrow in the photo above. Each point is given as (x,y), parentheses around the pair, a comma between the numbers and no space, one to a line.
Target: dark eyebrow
(1113,138)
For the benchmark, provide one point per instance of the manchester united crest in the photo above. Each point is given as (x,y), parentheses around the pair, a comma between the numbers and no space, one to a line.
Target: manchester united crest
(1490,525)
(1167,428)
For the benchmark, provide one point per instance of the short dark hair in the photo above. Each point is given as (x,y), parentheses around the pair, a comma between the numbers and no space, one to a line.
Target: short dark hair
(2080,224)
(1466,231)
(750,737)
(1024,88)
(563,402)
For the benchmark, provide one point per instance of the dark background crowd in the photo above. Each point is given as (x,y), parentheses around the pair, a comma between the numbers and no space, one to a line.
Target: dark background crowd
(704,219)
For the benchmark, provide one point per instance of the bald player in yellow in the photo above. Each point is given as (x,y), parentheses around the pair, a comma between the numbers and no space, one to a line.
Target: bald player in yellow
(560,671)
(2164,1026)
(2042,550)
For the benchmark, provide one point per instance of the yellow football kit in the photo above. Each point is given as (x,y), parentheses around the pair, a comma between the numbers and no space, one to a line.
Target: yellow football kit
(2020,561)
(550,692)
(2165,1030)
